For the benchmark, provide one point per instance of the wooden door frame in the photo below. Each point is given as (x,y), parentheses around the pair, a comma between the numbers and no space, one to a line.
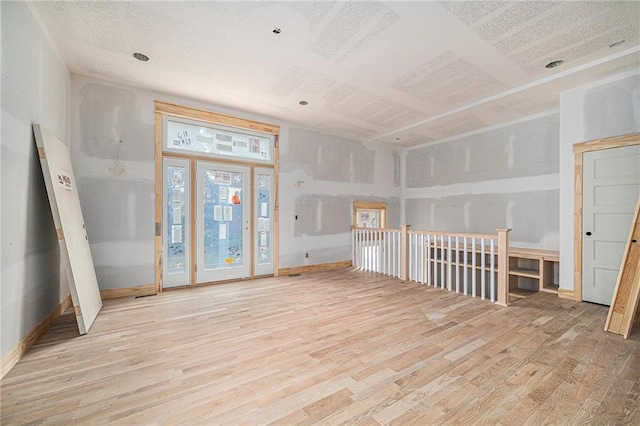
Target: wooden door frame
(166,108)
(579,149)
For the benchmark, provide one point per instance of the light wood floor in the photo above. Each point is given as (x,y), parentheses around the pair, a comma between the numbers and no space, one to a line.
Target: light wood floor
(342,347)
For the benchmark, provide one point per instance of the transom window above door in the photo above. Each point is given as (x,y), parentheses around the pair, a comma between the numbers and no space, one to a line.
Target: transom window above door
(197,138)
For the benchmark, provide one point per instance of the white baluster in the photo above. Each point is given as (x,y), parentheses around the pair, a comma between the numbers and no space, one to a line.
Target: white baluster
(410,258)
(442,265)
(484,272)
(457,264)
(465,267)
(429,281)
(436,281)
(449,262)
(421,258)
(493,271)
(474,272)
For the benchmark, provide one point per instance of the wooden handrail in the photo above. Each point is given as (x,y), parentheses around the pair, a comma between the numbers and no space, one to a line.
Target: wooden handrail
(402,257)
(455,234)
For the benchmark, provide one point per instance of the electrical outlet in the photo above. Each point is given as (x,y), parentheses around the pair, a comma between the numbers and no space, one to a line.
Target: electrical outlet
(306,255)
(296,217)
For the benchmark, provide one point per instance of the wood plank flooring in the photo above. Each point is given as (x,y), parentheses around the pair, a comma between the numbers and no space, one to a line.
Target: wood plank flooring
(342,347)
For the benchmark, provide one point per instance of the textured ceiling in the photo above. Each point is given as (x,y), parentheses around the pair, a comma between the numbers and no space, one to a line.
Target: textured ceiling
(399,73)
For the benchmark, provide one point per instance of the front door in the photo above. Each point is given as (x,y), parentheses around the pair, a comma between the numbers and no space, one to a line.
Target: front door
(223,221)
(611,184)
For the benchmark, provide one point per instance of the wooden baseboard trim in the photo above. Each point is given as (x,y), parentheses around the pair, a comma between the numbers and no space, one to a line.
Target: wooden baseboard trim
(568,294)
(309,269)
(136,290)
(12,358)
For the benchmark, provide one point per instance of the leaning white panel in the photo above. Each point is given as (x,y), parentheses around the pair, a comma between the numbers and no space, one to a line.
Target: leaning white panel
(70,227)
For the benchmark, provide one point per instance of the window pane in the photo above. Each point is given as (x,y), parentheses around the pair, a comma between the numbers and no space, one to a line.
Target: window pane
(368,218)
(175,220)
(223,221)
(264,219)
(218,141)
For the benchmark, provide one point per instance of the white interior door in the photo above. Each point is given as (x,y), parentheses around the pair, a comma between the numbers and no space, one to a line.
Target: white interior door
(69,222)
(223,242)
(176,213)
(611,184)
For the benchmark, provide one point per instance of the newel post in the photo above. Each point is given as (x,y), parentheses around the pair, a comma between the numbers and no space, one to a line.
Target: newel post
(503,267)
(404,254)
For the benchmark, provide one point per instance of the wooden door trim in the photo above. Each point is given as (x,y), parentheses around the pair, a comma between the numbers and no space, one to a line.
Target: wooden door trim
(579,149)
(166,108)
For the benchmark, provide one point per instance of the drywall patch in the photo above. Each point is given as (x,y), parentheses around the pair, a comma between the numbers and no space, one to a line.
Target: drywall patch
(322,215)
(612,109)
(523,149)
(316,256)
(532,215)
(396,169)
(327,157)
(350,19)
(110,277)
(117,210)
(109,114)
(330,215)
(464,81)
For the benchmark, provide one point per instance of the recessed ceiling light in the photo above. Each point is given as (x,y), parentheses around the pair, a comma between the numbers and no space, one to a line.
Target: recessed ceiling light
(277,30)
(555,64)
(303,103)
(617,43)
(141,56)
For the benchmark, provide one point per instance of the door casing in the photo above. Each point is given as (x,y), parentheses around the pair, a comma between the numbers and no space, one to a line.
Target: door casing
(165,108)
(578,150)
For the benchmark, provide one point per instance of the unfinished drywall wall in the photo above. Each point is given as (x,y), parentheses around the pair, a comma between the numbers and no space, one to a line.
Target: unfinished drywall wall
(320,178)
(35,89)
(326,157)
(487,212)
(606,108)
(505,177)
(118,202)
(529,148)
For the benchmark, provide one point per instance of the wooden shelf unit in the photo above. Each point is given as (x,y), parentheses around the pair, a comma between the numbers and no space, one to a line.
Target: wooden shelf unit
(538,269)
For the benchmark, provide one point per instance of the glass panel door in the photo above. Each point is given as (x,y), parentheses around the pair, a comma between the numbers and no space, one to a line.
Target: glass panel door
(176,238)
(222,222)
(263,219)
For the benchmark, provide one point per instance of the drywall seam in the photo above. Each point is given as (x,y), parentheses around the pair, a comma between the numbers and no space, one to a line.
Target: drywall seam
(514,91)
(45,31)
(499,186)
(483,130)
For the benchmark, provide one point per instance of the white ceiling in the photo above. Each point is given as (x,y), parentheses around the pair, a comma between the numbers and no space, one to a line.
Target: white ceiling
(399,73)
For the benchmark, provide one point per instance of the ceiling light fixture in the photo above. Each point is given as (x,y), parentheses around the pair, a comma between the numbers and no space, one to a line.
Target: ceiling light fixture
(303,103)
(141,56)
(617,43)
(277,30)
(555,64)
